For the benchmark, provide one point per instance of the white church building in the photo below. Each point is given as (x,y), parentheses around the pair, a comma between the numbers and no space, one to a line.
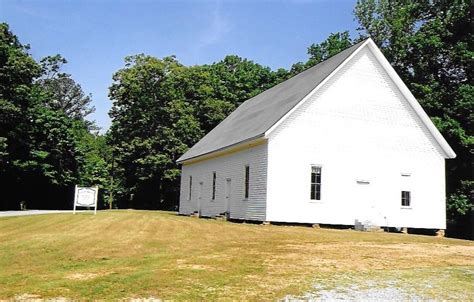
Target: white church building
(342,141)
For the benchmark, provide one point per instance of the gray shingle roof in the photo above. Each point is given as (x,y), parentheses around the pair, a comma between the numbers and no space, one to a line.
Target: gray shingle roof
(258,114)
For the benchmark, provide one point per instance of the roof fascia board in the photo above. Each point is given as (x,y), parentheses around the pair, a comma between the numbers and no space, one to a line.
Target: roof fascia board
(312,92)
(251,142)
(449,153)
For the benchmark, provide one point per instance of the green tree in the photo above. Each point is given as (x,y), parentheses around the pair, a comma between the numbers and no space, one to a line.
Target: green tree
(215,90)
(17,96)
(65,96)
(64,93)
(42,154)
(17,71)
(95,162)
(335,43)
(152,126)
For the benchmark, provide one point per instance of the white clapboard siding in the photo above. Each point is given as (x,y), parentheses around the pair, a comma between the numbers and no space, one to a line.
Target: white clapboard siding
(358,127)
(231,166)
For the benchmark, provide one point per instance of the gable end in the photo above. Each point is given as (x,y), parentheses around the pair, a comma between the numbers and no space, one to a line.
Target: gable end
(406,93)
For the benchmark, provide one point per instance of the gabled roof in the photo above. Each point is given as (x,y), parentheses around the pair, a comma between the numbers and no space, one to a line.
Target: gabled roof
(258,114)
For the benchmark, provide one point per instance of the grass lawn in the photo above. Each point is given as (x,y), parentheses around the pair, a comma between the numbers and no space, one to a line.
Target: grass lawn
(142,254)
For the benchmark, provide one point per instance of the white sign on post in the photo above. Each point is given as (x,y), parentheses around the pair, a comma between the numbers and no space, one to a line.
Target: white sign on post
(86,197)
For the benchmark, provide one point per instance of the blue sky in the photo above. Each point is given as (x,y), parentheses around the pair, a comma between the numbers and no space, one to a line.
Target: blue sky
(95,36)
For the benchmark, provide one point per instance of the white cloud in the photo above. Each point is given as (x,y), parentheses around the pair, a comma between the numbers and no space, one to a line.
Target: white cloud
(217,29)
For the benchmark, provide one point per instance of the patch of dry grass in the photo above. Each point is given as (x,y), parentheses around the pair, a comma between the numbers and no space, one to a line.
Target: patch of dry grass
(132,254)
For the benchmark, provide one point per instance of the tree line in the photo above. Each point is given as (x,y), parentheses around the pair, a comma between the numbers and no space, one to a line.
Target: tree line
(162,107)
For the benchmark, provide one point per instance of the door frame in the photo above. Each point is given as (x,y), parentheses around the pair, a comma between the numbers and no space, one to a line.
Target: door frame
(199,197)
(228,193)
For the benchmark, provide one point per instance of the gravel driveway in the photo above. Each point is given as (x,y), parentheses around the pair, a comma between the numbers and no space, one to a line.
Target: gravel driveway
(32,212)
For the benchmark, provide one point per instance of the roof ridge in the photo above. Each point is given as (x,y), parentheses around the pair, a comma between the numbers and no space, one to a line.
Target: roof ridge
(258,114)
(312,67)
(328,58)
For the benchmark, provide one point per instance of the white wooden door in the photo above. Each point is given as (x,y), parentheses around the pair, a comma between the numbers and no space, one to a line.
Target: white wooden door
(228,188)
(199,199)
(365,202)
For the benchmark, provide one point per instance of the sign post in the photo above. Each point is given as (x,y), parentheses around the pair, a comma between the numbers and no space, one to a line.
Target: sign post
(86,197)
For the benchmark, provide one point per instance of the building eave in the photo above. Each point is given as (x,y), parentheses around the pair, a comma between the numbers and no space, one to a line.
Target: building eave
(249,143)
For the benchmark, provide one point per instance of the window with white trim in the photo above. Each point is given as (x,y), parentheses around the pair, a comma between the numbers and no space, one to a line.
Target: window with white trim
(406,198)
(315,182)
(247,180)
